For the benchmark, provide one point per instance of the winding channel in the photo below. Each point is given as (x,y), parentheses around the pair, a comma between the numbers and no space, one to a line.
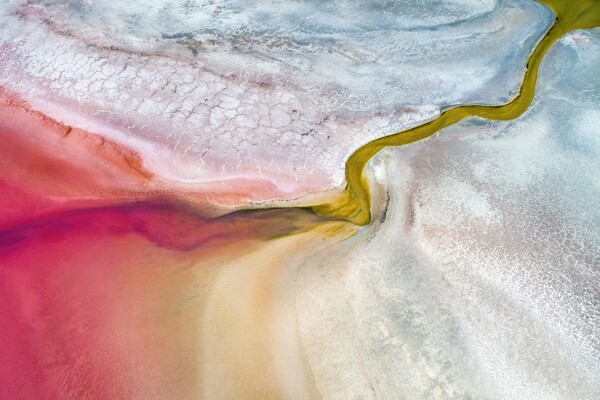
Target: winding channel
(355,204)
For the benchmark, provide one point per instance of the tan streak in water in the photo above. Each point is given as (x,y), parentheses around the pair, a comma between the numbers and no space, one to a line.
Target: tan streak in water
(250,344)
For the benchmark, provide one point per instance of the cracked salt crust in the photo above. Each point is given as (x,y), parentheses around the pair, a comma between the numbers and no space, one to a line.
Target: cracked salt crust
(284,97)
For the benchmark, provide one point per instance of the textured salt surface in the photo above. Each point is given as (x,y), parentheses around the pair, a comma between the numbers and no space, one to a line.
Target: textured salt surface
(281,93)
(482,280)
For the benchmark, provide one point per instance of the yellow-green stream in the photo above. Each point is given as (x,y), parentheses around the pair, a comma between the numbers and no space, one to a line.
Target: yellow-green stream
(354,206)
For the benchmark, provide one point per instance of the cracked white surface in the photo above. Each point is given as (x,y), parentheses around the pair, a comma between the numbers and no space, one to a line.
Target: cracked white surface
(283,92)
(483,281)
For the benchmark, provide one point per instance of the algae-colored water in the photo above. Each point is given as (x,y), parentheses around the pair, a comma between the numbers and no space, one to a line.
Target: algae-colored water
(354,206)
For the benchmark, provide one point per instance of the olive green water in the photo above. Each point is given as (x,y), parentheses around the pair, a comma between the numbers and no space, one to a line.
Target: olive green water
(355,205)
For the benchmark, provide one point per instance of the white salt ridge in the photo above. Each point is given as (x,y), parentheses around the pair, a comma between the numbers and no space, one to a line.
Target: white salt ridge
(282,93)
